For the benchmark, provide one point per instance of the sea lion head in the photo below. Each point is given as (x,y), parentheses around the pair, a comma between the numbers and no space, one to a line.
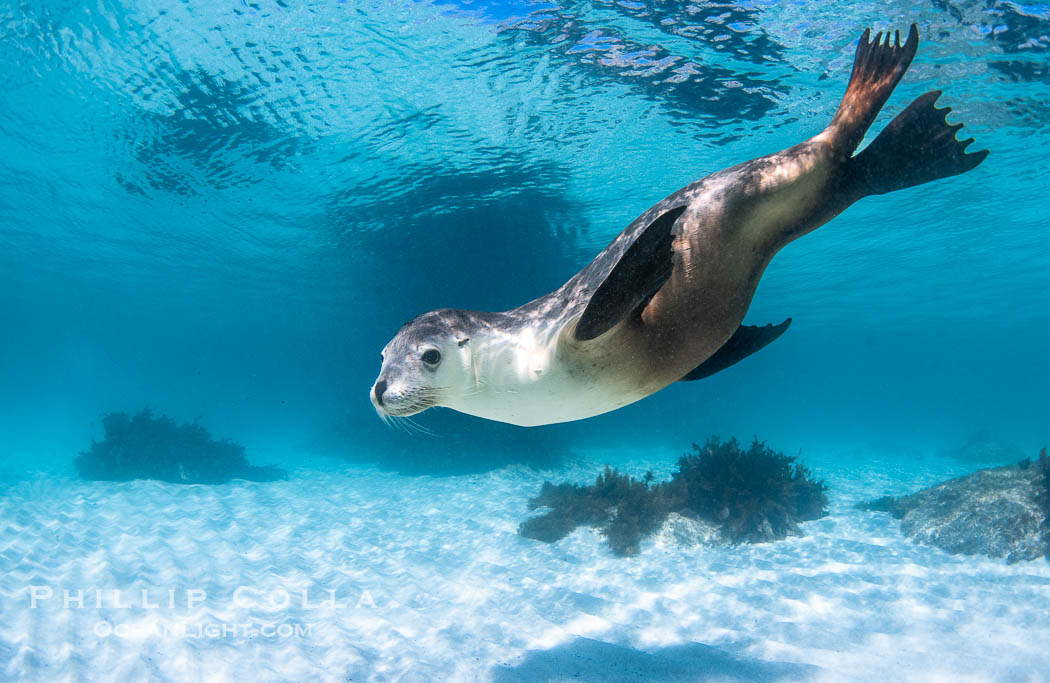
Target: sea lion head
(428,360)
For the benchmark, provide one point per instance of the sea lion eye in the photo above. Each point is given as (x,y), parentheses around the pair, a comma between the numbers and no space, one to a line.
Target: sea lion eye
(431,356)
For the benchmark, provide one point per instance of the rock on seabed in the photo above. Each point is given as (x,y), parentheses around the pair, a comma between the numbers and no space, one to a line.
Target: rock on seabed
(685,532)
(998,512)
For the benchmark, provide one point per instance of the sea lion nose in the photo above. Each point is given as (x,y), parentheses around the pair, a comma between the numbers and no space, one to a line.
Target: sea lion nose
(380,388)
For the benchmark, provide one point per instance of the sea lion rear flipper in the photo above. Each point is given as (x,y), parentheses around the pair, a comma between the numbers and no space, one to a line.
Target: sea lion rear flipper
(640,272)
(877,69)
(916,147)
(745,341)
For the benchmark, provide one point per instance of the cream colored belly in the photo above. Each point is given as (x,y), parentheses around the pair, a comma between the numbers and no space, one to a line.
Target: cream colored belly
(530,384)
(544,403)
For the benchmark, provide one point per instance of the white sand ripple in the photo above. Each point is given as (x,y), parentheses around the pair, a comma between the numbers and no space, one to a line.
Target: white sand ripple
(419,578)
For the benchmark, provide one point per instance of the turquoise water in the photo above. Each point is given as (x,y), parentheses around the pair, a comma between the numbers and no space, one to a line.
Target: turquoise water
(224,210)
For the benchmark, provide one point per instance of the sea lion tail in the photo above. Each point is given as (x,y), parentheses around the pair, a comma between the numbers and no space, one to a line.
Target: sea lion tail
(877,68)
(916,147)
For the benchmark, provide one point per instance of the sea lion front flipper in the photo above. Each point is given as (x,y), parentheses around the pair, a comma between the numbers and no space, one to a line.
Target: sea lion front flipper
(643,269)
(745,341)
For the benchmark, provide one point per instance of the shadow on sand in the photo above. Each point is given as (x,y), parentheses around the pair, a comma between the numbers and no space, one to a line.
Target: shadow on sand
(584,659)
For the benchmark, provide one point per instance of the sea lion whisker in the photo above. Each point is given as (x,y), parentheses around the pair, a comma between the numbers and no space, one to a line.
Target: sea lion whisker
(405,425)
(388,422)
(420,429)
(409,426)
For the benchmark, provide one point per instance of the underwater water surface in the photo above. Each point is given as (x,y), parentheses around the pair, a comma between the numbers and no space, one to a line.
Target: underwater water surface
(223,210)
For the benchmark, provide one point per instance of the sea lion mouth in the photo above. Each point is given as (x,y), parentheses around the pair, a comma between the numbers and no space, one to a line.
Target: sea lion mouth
(400,411)
(403,404)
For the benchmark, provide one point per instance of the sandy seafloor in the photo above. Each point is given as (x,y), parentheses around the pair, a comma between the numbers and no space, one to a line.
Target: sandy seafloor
(431,582)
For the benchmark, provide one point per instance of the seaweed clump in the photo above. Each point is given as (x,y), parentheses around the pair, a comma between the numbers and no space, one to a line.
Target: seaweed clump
(750,496)
(148,447)
(755,495)
(623,508)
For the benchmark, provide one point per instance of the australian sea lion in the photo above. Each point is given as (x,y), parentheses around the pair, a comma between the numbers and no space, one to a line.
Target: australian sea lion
(665,300)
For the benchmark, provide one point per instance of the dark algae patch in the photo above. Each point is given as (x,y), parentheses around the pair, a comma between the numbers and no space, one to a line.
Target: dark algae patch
(750,496)
(624,508)
(755,495)
(148,447)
